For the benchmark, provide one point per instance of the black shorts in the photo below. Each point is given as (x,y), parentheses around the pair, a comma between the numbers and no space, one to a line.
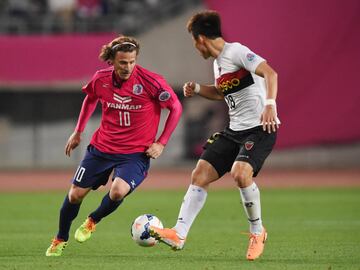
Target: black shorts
(251,145)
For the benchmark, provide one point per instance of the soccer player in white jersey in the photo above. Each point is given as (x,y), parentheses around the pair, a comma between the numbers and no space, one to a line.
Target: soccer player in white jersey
(249,86)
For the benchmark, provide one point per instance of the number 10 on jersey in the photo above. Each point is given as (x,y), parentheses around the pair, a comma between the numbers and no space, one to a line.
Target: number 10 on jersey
(124,118)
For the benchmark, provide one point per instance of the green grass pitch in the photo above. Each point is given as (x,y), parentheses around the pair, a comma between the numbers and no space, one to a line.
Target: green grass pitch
(308,229)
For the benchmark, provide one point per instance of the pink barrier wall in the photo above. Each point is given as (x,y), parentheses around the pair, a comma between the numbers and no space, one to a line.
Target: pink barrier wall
(315,48)
(50,59)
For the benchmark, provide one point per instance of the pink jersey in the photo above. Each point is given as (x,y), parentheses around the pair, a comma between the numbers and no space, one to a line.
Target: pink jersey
(131,110)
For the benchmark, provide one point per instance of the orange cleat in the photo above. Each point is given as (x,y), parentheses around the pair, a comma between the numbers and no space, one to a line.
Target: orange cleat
(256,245)
(56,248)
(84,232)
(168,237)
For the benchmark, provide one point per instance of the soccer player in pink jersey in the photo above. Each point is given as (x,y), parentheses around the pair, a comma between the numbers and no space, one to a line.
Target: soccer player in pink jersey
(248,84)
(131,99)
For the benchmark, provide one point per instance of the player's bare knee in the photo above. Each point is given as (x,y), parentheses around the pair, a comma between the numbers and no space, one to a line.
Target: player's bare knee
(198,178)
(242,175)
(119,189)
(75,197)
(117,194)
(77,194)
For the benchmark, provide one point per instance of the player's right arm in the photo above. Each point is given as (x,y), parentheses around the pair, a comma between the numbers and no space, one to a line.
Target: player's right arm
(206,91)
(87,109)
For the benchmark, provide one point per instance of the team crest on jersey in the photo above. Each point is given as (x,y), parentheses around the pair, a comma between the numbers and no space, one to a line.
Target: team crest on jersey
(249,145)
(250,57)
(164,95)
(137,89)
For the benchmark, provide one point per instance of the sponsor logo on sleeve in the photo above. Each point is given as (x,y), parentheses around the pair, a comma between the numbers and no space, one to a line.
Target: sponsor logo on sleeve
(164,95)
(250,57)
(137,89)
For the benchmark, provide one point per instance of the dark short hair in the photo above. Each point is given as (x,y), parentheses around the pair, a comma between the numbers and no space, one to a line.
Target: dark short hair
(206,23)
(121,43)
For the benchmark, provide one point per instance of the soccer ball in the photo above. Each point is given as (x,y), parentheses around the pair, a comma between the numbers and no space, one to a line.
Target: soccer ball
(139,230)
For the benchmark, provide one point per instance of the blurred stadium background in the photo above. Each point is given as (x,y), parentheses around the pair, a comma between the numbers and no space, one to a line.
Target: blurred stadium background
(49,49)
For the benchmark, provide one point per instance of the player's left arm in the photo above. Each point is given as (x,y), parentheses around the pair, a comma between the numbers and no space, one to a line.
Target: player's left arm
(175,110)
(87,109)
(269,118)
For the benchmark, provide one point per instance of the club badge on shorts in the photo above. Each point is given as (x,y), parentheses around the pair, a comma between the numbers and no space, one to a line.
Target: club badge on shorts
(249,145)
(137,89)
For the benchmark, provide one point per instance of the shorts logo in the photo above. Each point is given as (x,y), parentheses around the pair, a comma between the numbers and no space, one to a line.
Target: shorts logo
(164,95)
(249,145)
(133,184)
(137,89)
(250,57)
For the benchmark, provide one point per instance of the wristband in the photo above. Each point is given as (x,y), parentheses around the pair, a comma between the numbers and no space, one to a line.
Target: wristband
(197,88)
(270,101)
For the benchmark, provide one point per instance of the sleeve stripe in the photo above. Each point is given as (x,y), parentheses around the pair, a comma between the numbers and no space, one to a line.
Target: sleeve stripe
(143,75)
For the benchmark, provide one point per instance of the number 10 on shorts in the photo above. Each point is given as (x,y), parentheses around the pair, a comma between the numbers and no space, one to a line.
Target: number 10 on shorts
(79,173)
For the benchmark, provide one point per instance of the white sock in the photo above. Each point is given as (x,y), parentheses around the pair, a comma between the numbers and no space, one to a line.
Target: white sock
(193,202)
(250,197)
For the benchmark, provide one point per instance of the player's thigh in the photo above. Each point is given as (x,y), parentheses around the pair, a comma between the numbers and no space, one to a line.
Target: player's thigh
(203,174)
(133,170)
(93,171)
(221,154)
(256,149)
